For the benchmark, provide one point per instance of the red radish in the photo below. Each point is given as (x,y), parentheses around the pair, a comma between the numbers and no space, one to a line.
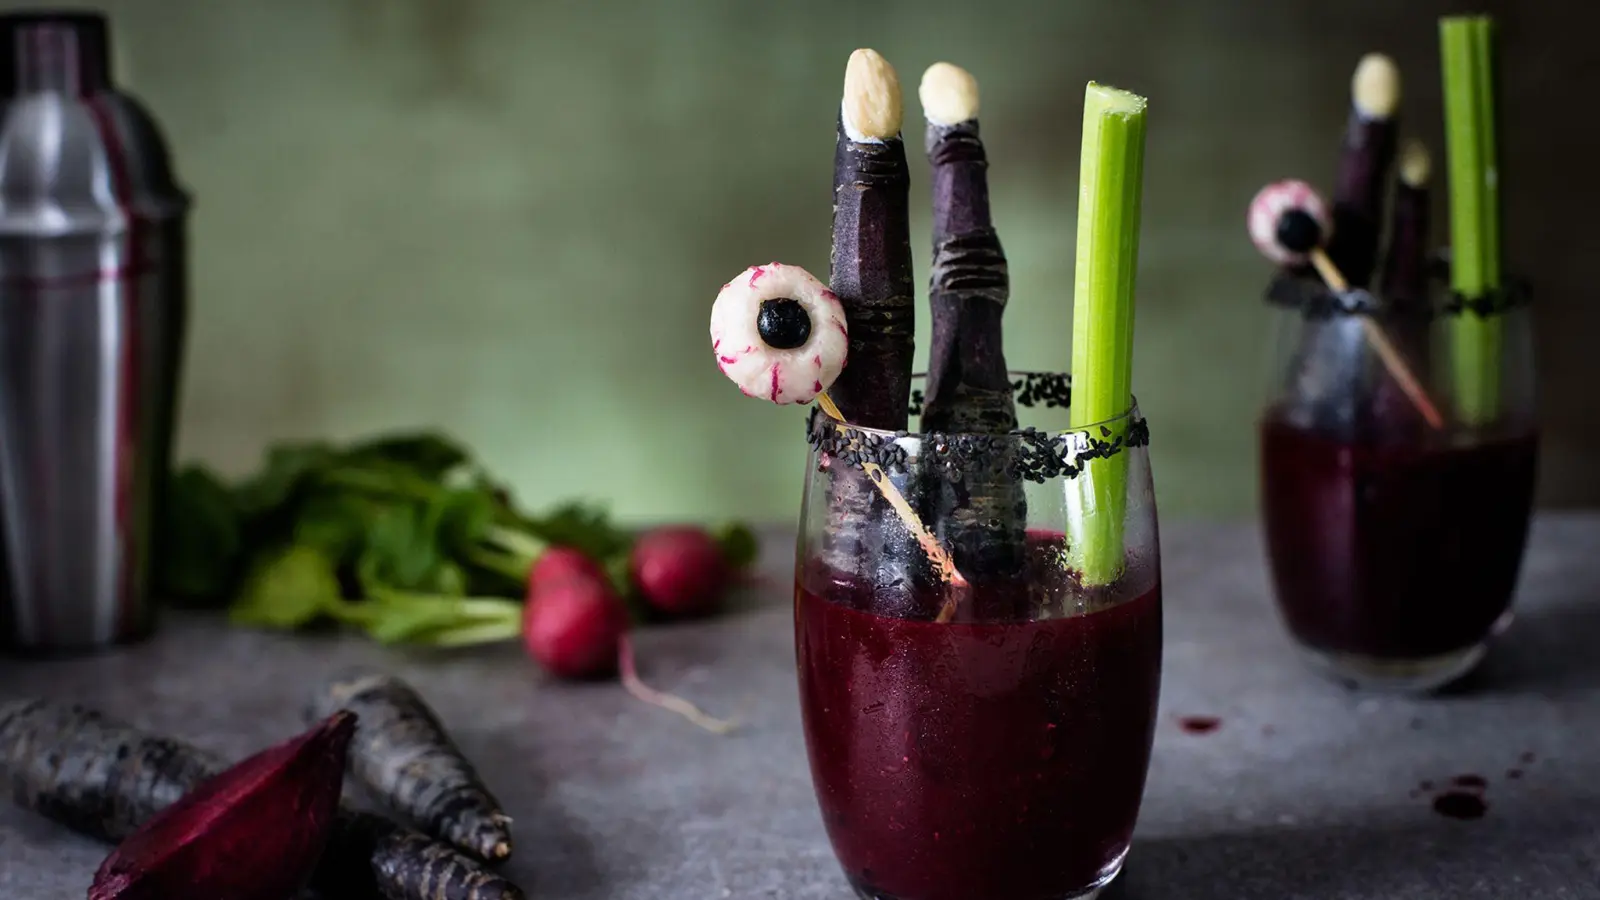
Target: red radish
(558,563)
(572,626)
(680,570)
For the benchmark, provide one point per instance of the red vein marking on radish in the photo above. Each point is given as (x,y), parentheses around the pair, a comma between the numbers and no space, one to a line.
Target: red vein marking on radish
(755,275)
(669,702)
(715,344)
(728,360)
(817,361)
(816,387)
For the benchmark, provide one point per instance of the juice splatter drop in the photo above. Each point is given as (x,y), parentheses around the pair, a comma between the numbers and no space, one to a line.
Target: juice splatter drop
(1199,724)
(1460,805)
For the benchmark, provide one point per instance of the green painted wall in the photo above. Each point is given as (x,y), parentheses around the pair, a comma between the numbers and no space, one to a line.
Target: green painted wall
(508,218)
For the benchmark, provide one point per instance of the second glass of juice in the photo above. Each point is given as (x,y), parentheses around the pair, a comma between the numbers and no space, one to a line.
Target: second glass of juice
(985,734)
(1395,541)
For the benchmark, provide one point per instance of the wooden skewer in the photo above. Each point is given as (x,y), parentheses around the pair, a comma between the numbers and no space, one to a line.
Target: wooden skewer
(941,559)
(1390,357)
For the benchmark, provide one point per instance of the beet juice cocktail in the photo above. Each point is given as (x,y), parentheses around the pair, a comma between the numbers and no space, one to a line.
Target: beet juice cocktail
(987,733)
(1398,445)
(977,598)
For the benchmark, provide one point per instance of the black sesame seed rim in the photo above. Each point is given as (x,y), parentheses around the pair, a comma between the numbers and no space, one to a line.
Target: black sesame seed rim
(1317,301)
(1025,454)
(1051,390)
(1514,294)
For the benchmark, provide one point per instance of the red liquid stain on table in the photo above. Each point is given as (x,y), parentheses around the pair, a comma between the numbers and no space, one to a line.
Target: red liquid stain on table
(1460,805)
(1199,724)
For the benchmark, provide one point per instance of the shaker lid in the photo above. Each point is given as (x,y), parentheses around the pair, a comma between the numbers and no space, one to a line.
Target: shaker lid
(63,50)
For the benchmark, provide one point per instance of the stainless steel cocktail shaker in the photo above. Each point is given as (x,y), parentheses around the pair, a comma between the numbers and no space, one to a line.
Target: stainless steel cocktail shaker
(92,310)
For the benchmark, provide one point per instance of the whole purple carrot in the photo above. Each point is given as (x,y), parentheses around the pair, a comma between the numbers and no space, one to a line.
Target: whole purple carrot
(1364,163)
(403,756)
(982,517)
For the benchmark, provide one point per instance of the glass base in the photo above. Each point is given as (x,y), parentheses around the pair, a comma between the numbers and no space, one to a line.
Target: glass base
(1107,874)
(1396,676)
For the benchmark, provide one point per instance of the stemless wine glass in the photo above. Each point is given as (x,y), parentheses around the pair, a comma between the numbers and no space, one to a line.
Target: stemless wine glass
(984,734)
(1395,520)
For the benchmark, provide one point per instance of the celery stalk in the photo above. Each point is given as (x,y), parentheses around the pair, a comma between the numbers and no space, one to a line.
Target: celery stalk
(1466,46)
(1111,181)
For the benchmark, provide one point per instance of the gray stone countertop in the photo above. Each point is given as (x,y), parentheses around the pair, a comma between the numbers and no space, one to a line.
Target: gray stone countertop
(1304,790)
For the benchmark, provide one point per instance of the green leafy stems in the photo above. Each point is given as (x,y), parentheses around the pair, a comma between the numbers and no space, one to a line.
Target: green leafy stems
(1111,180)
(404,538)
(1466,45)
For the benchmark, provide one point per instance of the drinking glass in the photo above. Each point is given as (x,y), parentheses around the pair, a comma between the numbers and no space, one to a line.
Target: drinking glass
(1396,537)
(985,733)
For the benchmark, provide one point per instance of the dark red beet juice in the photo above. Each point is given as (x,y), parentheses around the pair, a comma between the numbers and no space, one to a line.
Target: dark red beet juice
(975,759)
(1394,550)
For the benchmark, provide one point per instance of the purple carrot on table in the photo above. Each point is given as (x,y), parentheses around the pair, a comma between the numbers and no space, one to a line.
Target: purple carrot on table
(104,778)
(403,756)
(1365,159)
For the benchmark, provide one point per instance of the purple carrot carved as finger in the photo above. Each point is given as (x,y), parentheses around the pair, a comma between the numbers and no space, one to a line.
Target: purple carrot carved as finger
(870,274)
(968,387)
(1405,272)
(1365,159)
(871,263)
(969,390)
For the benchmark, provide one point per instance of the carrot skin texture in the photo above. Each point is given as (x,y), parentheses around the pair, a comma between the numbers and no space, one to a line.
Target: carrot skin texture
(403,755)
(127,775)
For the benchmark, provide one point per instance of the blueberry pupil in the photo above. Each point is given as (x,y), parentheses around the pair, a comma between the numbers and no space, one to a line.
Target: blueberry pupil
(783,323)
(1298,232)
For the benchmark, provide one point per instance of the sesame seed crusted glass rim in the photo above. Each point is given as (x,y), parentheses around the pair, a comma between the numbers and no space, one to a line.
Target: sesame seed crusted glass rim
(1316,300)
(1028,453)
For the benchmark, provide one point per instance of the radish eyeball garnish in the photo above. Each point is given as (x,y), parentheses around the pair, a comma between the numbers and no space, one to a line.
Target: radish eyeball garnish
(779,333)
(1287,220)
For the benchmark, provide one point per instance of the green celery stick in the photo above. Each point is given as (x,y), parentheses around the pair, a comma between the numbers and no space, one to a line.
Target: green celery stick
(1111,181)
(1466,46)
